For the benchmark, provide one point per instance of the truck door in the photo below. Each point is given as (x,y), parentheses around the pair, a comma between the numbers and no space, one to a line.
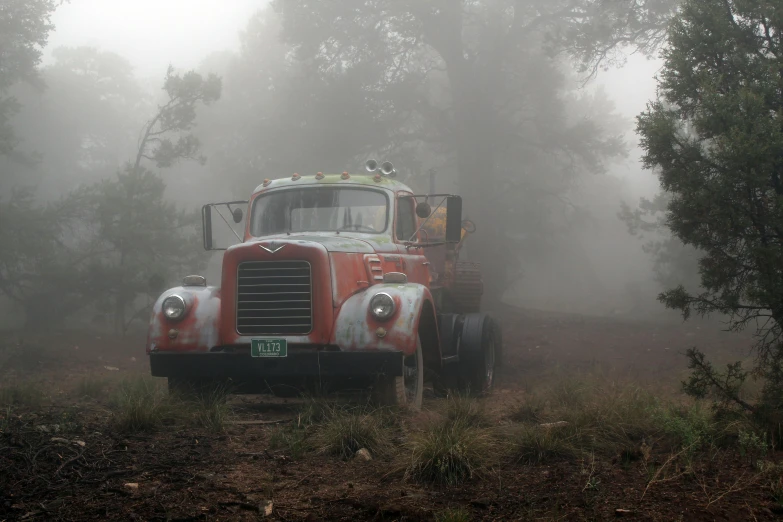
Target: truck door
(415,264)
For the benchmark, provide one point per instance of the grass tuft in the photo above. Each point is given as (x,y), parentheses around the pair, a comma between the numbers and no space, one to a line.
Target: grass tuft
(141,405)
(342,432)
(466,410)
(26,395)
(453,515)
(290,439)
(91,386)
(534,445)
(211,411)
(448,452)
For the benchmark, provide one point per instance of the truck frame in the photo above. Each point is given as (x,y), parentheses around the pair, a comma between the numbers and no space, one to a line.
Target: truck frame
(340,280)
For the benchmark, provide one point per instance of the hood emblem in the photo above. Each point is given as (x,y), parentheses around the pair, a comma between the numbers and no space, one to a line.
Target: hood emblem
(273,248)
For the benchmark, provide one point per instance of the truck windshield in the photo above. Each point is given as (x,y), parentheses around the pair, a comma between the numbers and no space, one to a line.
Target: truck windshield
(320,209)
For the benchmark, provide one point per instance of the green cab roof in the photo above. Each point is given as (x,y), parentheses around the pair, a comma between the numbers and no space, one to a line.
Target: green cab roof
(367,180)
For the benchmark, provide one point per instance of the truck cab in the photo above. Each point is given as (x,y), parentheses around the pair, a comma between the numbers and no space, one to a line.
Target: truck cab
(341,279)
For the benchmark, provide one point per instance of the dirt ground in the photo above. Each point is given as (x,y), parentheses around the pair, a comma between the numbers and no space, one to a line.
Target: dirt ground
(63,462)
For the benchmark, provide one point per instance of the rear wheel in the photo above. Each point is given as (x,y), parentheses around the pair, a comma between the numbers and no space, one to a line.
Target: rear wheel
(477,366)
(407,389)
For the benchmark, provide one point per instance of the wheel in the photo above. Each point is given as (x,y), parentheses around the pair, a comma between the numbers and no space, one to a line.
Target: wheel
(407,389)
(478,361)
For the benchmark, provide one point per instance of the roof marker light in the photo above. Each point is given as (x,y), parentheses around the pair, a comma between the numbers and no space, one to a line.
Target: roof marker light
(377,178)
(295,177)
(345,175)
(320,175)
(267,182)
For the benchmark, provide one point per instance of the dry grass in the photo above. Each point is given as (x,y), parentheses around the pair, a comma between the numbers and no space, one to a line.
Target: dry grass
(452,447)
(143,405)
(453,515)
(342,431)
(26,394)
(91,386)
(610,419)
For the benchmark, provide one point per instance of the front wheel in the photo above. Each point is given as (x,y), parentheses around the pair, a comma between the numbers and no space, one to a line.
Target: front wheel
(407,389)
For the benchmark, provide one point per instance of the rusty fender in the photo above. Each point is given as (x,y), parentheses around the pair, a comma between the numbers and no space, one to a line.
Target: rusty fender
(356,329)
(197,331)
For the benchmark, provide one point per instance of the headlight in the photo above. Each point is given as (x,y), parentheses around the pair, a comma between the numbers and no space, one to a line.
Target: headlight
(174,307)
(382,306)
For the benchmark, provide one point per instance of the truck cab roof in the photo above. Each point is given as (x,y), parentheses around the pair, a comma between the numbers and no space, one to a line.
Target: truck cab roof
(367,180)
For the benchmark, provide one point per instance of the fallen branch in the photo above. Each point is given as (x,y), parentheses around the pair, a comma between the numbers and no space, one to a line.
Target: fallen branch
(259,422)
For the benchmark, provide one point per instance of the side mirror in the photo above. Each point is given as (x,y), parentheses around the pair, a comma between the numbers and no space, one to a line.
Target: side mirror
(238,215)
(453,219)
(423,210)
(206,224)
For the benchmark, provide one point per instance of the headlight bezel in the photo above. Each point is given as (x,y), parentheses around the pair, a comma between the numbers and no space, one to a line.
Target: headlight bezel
(183,306)
(390,303)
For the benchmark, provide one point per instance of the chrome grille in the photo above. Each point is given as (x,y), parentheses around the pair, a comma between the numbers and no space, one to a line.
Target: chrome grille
(274,298)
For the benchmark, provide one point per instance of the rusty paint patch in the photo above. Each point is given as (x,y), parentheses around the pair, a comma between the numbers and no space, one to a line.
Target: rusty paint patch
(356,329)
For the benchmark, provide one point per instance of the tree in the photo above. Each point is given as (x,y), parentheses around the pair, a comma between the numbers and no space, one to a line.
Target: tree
(41,269)
(478,80)
(674,263)
(84,124)
(145,237)
(715,137)
(24,30)
(279,115)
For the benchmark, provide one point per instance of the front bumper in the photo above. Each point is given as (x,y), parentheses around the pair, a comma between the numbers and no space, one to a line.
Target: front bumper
(243,366)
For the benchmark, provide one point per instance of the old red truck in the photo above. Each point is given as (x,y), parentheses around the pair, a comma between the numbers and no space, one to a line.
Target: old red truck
(339,280)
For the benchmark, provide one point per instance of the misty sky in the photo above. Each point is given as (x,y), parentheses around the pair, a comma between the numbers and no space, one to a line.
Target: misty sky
(154,33)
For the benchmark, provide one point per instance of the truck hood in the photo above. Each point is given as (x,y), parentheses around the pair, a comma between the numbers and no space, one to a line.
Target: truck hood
(335,243)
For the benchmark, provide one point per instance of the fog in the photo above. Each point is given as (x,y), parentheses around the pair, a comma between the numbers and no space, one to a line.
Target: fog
(564,251)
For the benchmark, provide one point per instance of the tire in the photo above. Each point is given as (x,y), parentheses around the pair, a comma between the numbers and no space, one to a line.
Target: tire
(406,390)
(478,365)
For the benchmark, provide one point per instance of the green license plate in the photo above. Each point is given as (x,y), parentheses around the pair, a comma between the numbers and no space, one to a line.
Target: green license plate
(268,348)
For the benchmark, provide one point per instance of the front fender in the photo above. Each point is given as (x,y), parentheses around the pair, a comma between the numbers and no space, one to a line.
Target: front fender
(197,332)
(356,329)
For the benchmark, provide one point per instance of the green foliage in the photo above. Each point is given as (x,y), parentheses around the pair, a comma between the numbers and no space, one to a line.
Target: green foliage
(723,388)
(715,137)
(752,445)
(142,238)
(674,263)
(24,31)
(690,429)
(29,274)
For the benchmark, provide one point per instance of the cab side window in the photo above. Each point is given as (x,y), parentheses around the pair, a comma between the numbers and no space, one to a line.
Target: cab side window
(406,219)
